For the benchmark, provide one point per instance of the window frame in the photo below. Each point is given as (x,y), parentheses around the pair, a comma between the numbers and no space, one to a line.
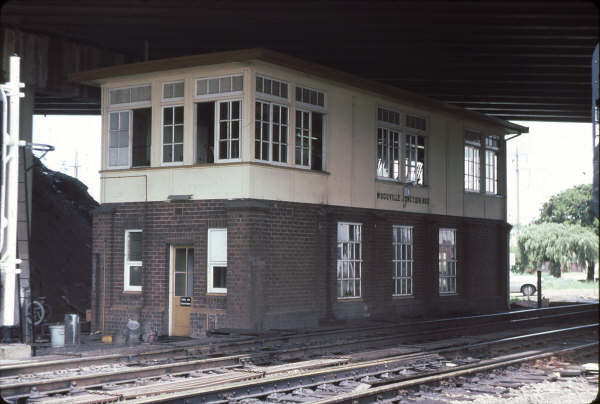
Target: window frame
(230,94)
(390,127)
(162,136)
(417,133)
(129,139)
(172,99)
(495,151)
(217,143)
(323,140)
(454,261)
(210,264)
(127,264)
(396,261)
(359,261)
(271,97)
(303,166)
(308,106)
(287,144)
(468,143)
(130,104)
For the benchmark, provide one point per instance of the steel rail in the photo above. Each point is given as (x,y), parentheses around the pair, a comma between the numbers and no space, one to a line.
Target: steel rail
(262,387)
(391,390)
(23,388)
(225,347)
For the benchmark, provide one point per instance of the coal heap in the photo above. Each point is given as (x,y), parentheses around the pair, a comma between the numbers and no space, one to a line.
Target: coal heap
(61,241)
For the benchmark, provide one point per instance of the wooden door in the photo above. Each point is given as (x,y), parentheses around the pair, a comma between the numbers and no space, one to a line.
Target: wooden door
(182,281)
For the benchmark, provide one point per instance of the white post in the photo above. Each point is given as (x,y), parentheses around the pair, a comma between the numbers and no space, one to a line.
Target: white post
(10,190)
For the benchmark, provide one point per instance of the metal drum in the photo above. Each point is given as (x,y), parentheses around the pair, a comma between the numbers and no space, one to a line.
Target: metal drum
(71,329)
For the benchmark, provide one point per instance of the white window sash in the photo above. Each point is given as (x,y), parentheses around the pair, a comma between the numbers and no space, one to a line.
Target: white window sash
(398,262)
(472,175)
(132,104)
(270,141)
(129,141)
(445,263)
(301,127)
(128,264)
(356,262)
(214,263)
(229,139)
(162,137)
(276,98)
(411,162)
(392,154)
(220,94)
(172,99)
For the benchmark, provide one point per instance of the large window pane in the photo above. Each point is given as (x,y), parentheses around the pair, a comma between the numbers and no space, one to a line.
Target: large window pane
(349,260)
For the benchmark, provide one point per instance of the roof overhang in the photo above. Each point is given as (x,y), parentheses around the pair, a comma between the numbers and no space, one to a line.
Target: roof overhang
(97,77)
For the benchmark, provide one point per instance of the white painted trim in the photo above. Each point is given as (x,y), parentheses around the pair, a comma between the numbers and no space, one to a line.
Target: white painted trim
(129,135)
(270,97)
(171,247)
(401,117)
(210,264)
(219,94)
(359,261)
(287,144)
(217,144)
(398,260)
(128,104)
(127,263)
(162,135)
(314,107)
(174,99)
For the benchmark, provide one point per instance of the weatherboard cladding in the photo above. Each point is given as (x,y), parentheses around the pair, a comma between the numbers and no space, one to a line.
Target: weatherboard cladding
(282,264)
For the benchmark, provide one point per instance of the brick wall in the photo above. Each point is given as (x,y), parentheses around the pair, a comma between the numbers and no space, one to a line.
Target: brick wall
(282,264)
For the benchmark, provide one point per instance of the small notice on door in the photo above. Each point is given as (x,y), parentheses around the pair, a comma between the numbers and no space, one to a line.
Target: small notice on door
(185,301)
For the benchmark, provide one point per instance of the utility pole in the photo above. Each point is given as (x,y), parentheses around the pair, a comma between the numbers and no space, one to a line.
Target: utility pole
(518,190)
(10,93)
(76,165)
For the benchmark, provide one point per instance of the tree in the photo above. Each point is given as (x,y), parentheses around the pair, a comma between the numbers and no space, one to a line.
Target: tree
(559,244)
(574,206)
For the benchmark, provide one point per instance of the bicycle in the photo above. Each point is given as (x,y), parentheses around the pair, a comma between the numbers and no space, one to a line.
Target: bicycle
(41,310)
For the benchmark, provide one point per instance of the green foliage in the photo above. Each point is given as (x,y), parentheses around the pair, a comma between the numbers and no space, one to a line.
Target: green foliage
(557,243)
(573,206)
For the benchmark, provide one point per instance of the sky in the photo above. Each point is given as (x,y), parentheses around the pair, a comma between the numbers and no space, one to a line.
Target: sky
(552,157)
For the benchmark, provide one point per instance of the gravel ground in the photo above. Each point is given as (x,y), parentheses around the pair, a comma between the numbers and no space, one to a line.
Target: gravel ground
(575,390)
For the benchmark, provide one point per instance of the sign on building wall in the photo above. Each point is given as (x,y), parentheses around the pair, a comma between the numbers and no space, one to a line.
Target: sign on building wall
(398,197)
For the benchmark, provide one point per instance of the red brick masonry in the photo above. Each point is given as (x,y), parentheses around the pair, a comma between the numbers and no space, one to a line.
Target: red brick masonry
(282,264)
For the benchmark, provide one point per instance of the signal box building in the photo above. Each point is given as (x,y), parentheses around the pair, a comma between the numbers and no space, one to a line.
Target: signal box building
(254,190)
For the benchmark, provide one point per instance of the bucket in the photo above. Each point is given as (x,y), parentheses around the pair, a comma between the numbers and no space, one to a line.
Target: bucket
(71,329)
(57,335)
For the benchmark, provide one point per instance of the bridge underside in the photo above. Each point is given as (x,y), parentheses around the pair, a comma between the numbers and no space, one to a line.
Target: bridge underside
(517,60)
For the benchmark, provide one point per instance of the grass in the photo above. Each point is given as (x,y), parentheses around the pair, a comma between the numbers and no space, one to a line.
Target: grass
(571,286)
(564,282)
(568,280)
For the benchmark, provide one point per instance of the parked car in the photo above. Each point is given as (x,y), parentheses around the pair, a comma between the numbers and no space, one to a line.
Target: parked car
(519,286)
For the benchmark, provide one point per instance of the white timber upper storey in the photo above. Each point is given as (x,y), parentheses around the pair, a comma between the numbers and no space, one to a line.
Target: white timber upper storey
(259,124)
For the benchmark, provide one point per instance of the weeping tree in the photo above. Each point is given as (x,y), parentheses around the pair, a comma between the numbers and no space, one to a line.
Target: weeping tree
(560,244)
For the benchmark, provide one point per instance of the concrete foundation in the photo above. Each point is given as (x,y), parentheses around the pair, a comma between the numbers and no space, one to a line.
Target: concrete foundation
(15,351)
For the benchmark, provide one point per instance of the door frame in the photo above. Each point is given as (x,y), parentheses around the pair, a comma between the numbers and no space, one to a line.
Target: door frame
(171,247)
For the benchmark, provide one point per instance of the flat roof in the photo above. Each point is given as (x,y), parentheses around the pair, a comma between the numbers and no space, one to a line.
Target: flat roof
(98,76)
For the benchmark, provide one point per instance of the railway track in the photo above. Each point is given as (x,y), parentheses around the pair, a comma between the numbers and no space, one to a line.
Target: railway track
(295,342)
(341,383)
(107,380)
